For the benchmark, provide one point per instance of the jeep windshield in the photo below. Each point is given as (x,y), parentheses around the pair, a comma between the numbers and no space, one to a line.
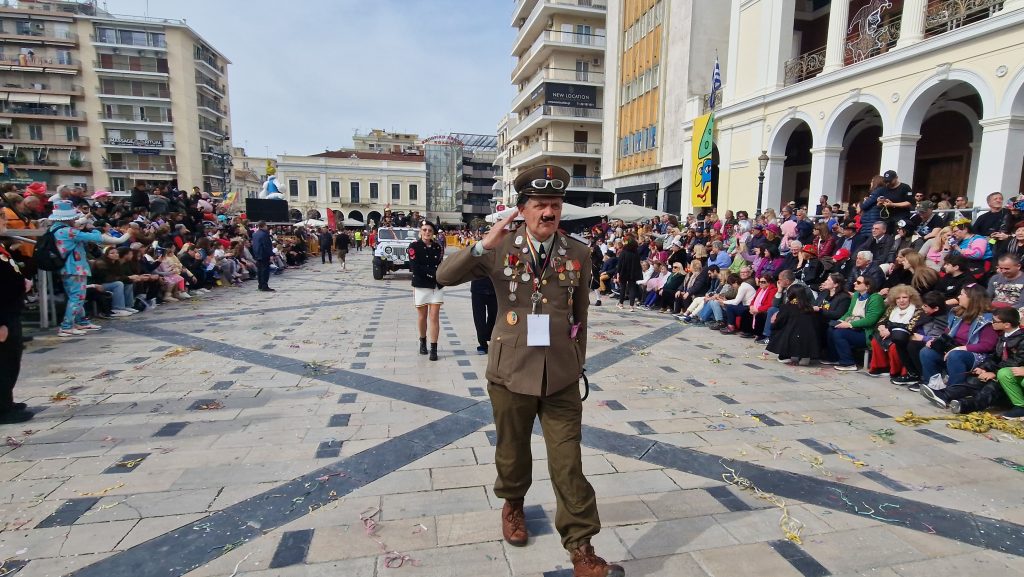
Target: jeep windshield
(398,234)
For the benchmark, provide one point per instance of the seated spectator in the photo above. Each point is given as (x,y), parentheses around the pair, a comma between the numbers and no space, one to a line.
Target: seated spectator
(910,269)
(936,248)
(754,319)
(796,334)
(1015,244)
(994,381)
(953,278)
(881,244)
(864,266)
(902,314)
(716,280)
(968,340)
(611,263)
(717,307)
(1006,287)
(718,256)
(822,240)
(809,269)
(832,303)
(854,329)
(931,325)
(974,247)
(107,273)
(727,290)
(674,285)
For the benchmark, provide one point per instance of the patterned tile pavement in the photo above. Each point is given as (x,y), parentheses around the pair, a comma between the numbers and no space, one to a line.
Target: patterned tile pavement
(254,434)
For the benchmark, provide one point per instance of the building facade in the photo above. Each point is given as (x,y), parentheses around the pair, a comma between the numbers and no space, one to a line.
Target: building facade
(117,99)
(931,89)
(559,74)
(660,54)
(356,184)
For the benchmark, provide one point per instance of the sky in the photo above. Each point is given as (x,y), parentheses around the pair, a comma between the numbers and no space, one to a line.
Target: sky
(305,74)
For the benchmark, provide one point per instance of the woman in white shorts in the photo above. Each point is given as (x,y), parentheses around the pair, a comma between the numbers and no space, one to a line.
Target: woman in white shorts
(424,256)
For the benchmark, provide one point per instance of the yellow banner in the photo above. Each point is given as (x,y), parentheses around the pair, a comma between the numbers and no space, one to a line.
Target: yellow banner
(703,139)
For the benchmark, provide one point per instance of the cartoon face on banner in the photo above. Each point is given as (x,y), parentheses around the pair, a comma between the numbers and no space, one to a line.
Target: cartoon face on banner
(702,181)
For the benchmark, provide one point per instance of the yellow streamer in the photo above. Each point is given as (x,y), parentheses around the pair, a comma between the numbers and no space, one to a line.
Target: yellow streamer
(791,527)
(979,423)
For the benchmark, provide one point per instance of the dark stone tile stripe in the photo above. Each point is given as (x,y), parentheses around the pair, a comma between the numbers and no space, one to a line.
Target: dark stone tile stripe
(727,499)
(642,428)
(537,522)
(727,399)
(69,512)
(800,560)
(669,370)
(817,446)
(182,550)
(623,351)
(170,429)
(477,392)
(492,437)
(126,464)
(695,383)
(292,549)
(339,420)
(767,420)
(885,481)
(347,398)
(615,405)
(262,311)
(875,412)
(328,450)
(222,385)
(937,436)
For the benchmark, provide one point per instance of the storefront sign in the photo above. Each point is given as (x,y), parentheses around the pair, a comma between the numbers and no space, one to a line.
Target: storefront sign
(135,142)
(570,95)
(145,152)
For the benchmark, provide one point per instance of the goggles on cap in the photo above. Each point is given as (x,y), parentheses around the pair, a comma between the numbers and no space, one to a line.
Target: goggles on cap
(541,183)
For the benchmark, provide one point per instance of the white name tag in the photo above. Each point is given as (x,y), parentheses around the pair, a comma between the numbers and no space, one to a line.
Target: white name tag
(538,330)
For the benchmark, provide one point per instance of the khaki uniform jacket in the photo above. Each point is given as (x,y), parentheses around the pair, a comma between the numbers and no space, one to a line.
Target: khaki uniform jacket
(510,362)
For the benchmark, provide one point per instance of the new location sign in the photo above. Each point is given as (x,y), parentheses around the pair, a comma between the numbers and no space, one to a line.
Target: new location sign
(570,95)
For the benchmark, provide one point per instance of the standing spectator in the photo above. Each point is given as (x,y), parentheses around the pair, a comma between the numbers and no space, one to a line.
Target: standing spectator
(140,197)
(262,250)
(326,240)
(424,257)
(12,298)
(628,272)
(485,311)
(71,242)
(341,244)
(359,239)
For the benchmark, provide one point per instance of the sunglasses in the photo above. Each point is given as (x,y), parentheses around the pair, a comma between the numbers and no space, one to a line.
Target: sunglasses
(545,183)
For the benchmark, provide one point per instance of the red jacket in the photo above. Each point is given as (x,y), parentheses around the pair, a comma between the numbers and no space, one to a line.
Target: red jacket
(766,294)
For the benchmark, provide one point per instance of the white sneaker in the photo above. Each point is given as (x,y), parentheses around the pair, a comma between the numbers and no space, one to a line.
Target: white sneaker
(184,295)
(69,332)
(130,312)
(88,327)
(120,313)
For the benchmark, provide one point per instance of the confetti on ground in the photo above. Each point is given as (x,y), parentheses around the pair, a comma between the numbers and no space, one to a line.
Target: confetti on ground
(816,463)
(846,456)
(211,406)
(868,511)
(178,352)
(102,492)
(979,423)
(791,527)
(13,442)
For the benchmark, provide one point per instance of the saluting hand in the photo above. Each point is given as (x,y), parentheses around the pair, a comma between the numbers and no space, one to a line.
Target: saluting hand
(499,231)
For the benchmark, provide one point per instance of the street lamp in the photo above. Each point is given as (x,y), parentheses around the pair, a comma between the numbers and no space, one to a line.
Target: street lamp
(762,162)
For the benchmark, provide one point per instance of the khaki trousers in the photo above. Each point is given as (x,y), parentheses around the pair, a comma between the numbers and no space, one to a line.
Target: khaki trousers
(561,418)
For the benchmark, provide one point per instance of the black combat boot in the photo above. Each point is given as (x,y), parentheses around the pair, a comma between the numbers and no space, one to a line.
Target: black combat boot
(433,351)
(423,345)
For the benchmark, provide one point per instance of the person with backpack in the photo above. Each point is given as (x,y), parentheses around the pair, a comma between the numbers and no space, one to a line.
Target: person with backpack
(70,244)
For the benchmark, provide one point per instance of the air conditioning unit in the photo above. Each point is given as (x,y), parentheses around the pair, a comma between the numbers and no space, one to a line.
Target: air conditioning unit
(551,22)
(540,131)
(597,62)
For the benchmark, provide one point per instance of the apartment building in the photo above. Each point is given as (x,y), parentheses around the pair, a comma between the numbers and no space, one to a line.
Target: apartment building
(353,183)
(659,55)
(559,74)
(931,89)
(119,99)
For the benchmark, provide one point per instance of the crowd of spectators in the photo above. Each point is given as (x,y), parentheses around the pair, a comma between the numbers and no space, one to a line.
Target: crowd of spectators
(126,255)
(929,298)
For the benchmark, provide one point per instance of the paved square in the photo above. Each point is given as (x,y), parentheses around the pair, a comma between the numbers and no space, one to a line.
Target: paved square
(239,435)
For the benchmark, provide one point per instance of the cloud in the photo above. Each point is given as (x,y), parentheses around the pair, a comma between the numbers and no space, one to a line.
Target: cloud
(305,74)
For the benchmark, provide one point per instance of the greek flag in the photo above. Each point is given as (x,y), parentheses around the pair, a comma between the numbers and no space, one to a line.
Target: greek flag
(716,84)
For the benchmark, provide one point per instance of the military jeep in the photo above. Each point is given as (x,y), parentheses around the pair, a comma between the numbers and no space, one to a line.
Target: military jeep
(392,250)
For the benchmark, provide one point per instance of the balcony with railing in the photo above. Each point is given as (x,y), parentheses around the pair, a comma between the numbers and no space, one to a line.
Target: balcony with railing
(130,38)
(870,40)
(554,113)
(211,62)
(40,36)
(55,85)
(38,61)
(41,112)
(214,87)
(555,148)
(546,9)
(210,104)
(46,140)
(550,39)
(803,67)
(141,165)
(135,90)
(131,68)
(31,163)
(942,16)
(163,118)
(140,143)
(585,182)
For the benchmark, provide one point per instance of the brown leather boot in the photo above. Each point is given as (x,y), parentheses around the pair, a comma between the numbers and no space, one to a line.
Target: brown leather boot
(586,563)
(513,523)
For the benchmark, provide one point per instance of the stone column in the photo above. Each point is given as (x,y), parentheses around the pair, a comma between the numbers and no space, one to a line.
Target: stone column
(825,175)
(773,176)
(899,152)
(1001,157)
(912,23)
(838,24)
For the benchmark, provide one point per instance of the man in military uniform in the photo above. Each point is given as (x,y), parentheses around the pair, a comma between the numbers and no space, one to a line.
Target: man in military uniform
(538,347)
